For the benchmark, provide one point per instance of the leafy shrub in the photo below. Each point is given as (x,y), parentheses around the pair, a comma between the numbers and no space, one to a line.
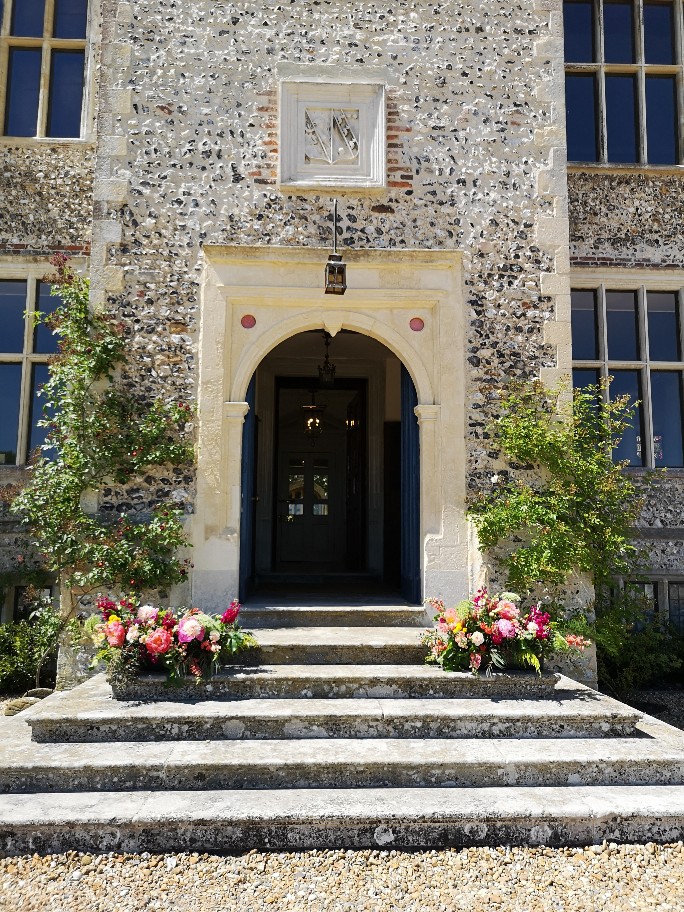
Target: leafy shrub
(28,651)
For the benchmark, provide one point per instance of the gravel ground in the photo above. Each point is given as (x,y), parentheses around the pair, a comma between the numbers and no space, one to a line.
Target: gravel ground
(606,877)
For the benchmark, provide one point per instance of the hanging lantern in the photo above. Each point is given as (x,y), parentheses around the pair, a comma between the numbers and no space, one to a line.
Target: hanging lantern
(326,371)
(313,418)
(335,268)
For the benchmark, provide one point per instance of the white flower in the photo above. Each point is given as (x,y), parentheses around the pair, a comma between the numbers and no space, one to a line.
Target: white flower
(147,613)
(532,627)
(214,636)
(133,633)
(494,479)
(477,638)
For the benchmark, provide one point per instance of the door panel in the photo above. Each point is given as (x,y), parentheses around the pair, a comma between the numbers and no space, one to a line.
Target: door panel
(410,492)
(248,492)
(309,505)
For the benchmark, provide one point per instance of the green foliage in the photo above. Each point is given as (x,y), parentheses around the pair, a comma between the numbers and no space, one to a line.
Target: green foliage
(99,432)
(633,647)
(576,509)
(28,648)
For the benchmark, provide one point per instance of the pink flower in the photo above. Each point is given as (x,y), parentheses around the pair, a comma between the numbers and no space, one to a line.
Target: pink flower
(147,614)
(506,628)
(475,660)
(159,641)
(189,629)
(507,610)
(477,638)
(133,633)
(576,641)
(229,616)
(115,633)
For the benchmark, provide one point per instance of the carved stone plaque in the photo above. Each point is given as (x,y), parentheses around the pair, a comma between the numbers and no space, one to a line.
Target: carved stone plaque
(332,135)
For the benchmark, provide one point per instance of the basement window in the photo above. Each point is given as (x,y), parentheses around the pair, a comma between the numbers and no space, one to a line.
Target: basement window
(623,81)
(42,57)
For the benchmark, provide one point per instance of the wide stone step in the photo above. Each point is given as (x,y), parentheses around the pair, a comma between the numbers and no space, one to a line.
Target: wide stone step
(89,714)
(225,821)
(270,616)
(339,763)
(379,681)
(338,645)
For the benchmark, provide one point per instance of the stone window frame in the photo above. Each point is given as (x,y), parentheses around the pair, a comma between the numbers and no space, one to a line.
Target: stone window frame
(657,589)
(32,274)
(366,93)
(640,282)
(47,44)
(8,604)
(641,69)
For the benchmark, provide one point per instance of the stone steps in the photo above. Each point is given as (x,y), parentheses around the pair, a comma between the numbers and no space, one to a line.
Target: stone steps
(336,681)
(225,821)
(339,763)
(88,714)
(266,616)
(344,738)
(338,646)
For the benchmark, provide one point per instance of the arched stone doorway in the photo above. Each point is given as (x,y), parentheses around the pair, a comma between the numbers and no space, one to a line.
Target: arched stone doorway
(257,298)
(331,471)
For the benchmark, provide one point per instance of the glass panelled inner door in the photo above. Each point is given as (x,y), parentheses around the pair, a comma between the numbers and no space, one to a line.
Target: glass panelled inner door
(306,514)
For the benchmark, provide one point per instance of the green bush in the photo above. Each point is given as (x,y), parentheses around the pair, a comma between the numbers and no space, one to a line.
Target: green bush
(28,651)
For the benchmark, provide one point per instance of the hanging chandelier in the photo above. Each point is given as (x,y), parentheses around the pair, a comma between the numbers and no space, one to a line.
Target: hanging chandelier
(326,371)
(313,418)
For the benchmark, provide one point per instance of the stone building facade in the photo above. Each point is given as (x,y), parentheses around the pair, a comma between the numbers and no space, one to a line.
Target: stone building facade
(215,138)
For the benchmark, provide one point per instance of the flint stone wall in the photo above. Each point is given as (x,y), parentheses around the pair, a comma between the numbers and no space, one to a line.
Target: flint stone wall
(46,193)
(188,150)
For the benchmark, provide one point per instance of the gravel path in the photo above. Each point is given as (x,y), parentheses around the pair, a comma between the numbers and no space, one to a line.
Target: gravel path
(613,878)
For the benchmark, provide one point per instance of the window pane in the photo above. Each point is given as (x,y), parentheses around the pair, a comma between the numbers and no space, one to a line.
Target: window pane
(666,403)
(621,322)
(628,383)
(585,376)
(10,392)
(618,32)
(23,87)
(12,307)
(580,103)
(70,18)
(663,326)
(44,341)
(39,376)
(661,120)
(578,27)
(659,44)
(584,335)
(676,600)
(621,119)
(27,18)
(66,93)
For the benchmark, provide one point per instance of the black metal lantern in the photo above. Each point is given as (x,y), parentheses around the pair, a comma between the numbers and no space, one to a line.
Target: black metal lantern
(335,268)
(313,418)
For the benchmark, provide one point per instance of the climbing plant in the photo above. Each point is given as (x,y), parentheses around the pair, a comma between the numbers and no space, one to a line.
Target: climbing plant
(575,508)
(99,431)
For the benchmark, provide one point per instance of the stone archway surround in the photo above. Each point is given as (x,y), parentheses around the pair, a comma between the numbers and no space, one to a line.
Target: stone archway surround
(282,289)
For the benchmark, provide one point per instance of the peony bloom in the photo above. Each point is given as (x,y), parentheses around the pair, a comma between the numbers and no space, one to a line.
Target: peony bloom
(229,616)
(533,627)
(507,610)
(159,641)
(189,629)
(477,638)
(115,633)
(133,633)
(506,628)
(214,636)
(147,614)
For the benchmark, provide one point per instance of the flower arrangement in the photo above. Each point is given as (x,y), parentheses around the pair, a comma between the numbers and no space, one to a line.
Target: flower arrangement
(489,631)
(134,638)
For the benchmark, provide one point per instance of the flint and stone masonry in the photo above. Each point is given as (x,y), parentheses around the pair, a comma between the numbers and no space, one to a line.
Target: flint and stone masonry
(474,225)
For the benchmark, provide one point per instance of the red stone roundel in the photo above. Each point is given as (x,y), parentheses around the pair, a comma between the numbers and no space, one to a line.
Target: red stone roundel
(417,324)
(248,321)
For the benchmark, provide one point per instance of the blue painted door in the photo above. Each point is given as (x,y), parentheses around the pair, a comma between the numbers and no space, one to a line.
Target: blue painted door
(248,492)
(410,492)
